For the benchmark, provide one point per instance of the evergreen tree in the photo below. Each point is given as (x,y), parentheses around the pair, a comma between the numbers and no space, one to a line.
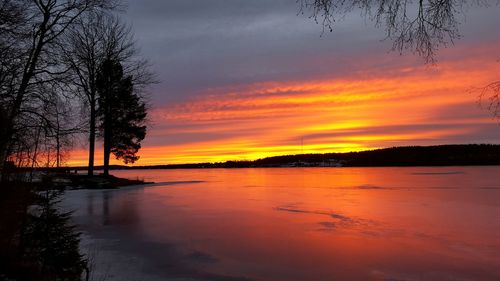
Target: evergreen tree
(122,114)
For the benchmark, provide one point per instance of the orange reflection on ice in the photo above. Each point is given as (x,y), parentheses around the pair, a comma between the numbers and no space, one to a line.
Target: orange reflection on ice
(279,224)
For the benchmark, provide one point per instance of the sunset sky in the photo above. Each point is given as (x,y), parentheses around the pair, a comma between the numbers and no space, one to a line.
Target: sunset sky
(241,80)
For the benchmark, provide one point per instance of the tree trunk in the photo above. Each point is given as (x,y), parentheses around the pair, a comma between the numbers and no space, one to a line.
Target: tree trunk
(107,152)
(3,151)
(28,73)
(107,139)
(58,150)
(5,141)
(92,135)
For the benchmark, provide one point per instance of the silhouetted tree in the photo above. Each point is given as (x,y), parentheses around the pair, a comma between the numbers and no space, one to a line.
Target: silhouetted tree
(93,39)
(50,241)
(122,114)
(421,26)
(60,127)
(30,40)
(489,97)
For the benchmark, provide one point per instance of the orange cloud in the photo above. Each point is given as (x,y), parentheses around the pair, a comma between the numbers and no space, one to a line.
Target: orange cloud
(407,106)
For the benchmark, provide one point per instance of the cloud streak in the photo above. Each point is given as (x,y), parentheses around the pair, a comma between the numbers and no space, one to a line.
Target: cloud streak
(400,106)
(249,79)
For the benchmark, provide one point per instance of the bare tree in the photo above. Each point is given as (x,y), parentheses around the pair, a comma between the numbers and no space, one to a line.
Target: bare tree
(61,126)
(420,26)
(489,97)
(95,38)
(44,134)
(33,32)
(11,19)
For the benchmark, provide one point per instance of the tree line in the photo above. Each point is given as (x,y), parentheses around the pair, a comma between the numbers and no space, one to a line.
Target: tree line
(439,155)
(68,67)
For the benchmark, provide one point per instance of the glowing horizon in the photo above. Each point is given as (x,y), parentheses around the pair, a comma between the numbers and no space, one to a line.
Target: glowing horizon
(422,105)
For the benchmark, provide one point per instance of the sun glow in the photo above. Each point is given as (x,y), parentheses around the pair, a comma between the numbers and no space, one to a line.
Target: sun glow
(409,106)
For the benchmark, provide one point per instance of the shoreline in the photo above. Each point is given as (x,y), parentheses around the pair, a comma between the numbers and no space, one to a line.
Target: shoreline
(71,181)
(125,168)
(409,156)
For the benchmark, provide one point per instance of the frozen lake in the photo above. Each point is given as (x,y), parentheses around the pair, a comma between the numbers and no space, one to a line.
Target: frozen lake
(345,224)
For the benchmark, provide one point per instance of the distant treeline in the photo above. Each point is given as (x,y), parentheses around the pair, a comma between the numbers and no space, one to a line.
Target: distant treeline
(441,155)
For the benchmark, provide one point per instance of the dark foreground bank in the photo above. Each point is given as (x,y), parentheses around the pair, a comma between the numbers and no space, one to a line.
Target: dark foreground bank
(37,239)
(76,181)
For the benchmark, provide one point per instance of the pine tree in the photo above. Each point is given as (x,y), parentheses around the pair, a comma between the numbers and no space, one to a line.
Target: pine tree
(122,114)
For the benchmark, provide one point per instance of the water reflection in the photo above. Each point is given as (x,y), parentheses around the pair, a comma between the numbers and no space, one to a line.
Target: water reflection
(297,224)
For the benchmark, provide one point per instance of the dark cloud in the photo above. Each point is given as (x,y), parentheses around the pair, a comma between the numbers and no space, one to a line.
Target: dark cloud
(215,57)
(201,44)
(197,44)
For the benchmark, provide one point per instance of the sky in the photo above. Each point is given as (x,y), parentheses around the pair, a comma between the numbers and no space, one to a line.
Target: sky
(242,80)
